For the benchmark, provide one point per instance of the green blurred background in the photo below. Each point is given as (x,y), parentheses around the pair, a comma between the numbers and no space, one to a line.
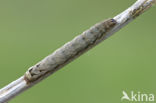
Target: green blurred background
(32,29)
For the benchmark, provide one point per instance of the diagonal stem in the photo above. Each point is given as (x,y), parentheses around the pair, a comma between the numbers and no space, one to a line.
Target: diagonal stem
(73,49)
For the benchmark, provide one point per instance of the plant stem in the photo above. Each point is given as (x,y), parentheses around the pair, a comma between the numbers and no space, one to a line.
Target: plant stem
(73,49)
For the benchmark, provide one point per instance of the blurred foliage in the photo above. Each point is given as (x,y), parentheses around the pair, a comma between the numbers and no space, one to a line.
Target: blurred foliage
(32,29)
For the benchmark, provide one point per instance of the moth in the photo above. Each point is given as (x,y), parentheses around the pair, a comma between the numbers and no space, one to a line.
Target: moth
(70,50)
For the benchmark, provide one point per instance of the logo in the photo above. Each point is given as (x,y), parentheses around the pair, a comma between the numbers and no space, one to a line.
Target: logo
(137,97)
